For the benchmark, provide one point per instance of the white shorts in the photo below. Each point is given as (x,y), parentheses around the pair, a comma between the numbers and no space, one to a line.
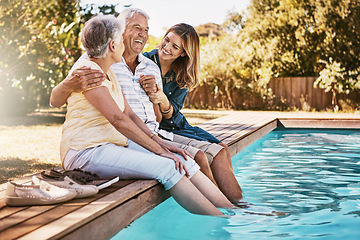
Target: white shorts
(131,162)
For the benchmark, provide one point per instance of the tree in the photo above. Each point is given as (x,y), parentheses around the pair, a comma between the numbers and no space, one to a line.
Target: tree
(284,38)
(309,38)
(339,22)
(38,42)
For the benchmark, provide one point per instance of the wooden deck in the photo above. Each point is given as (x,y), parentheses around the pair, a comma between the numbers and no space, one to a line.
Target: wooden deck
(113,208)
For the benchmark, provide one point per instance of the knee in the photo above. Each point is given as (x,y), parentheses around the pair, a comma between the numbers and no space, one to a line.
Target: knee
(201,158)
(221,156)
(227,149)
(221,161)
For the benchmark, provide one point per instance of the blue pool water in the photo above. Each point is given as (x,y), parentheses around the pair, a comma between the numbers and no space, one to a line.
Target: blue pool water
(311,174)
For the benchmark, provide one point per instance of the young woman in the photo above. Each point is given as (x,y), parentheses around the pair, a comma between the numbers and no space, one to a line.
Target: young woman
(103,135)
(178,58)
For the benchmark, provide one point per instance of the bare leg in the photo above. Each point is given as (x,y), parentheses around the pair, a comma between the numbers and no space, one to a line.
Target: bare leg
(190,198)
(210,191)
(201,159)
(225,178)
(228,155)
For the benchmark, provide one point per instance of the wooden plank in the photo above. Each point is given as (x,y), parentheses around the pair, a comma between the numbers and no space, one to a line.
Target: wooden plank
(290,89)
(242,131)
(20,217)
(84,215)
(7,211)
(223,128)
(228,132)
(301,92)
(240,144)
(213,124)
(111,223)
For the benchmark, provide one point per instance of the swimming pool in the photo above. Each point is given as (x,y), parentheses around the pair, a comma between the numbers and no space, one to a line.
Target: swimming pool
(312,174)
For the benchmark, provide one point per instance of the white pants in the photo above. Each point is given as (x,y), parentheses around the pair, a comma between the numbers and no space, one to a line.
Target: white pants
(132,162)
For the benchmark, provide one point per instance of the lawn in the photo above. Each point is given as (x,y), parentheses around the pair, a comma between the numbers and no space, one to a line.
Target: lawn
(28,149)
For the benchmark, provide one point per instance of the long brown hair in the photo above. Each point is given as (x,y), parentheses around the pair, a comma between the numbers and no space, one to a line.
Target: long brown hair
(187,68)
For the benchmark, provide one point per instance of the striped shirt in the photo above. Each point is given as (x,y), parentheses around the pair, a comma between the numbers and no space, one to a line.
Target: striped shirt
(134,93)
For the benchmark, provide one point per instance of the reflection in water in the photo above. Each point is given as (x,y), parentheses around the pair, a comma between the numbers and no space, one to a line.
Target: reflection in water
(313,175)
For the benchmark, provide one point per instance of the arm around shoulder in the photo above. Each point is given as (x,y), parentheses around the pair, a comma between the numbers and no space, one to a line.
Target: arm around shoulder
(59,95)
(79,80)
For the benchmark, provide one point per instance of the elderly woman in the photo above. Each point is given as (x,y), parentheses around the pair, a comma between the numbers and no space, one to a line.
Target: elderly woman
(103,135)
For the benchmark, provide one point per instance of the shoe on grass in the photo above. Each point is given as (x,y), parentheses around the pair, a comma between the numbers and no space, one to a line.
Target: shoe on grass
(36,194)
(81,190)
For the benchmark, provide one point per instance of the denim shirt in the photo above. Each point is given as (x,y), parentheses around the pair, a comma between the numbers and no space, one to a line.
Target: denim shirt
(175,95)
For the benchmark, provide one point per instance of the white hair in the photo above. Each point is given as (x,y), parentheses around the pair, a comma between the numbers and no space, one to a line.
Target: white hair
(126,14)
(99,31)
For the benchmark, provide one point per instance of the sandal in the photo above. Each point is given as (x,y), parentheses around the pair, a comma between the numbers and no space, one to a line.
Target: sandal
(81,190)
(79,176)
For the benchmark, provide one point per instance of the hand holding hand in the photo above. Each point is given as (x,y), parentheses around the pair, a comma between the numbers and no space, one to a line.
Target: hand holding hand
(148,83)
(158,97)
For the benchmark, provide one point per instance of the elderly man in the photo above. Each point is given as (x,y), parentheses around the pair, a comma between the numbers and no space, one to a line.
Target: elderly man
(133,66)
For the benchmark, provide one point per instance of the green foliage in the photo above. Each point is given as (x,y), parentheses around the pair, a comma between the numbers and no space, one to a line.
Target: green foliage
(210,30)
(222,66)
(338,20)
(38,44)
(331,77)
(285,38)
(90,10)
(234,21)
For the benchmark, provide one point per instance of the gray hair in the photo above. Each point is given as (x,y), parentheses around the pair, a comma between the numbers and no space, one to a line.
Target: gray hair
(127,13)
(98,32)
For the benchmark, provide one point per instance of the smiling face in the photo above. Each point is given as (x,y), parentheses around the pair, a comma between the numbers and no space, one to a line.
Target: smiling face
(135,35)
(171,47)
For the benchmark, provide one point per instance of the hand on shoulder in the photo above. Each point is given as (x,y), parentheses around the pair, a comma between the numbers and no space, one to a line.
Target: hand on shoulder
(84,78)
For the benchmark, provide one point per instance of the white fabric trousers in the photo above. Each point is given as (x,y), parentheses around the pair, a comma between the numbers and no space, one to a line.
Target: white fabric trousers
(132,162)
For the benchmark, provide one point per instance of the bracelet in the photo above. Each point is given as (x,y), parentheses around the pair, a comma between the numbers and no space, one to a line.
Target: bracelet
(167,111)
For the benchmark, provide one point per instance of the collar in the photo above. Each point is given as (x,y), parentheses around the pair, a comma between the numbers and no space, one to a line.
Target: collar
(143,61)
